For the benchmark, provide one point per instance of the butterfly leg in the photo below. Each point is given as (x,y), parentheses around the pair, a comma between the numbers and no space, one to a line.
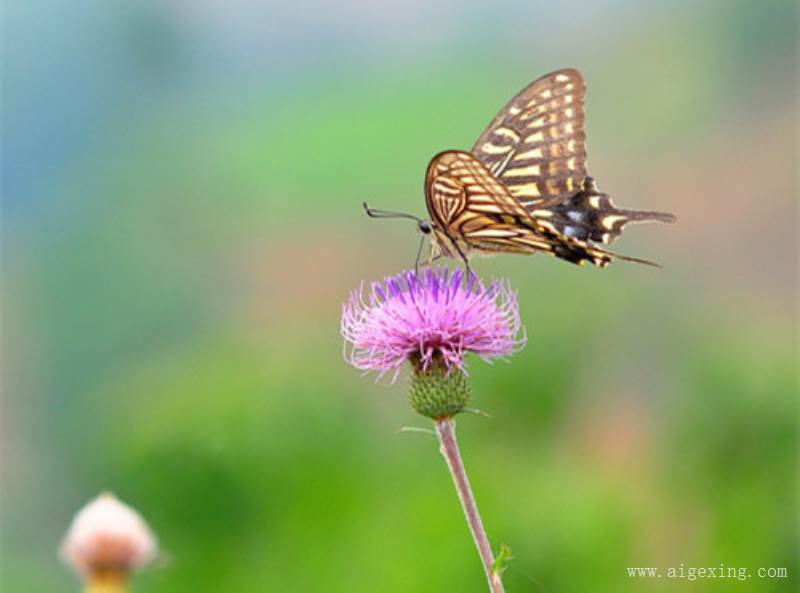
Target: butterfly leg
(433,258)
(464,259)
(433,255)
(419,255)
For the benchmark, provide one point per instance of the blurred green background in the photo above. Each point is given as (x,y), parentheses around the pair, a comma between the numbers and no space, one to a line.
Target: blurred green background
(182,188)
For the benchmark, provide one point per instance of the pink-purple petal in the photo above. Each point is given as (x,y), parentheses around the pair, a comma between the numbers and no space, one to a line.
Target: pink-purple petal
(433,313)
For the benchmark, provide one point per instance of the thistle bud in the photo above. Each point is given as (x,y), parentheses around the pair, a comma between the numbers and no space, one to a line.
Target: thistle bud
(438,392)
(106,540)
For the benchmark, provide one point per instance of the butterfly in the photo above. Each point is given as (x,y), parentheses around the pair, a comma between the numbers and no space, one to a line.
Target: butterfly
(523,187)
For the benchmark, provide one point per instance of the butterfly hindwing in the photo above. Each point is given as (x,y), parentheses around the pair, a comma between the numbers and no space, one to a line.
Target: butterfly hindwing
(591,215)
(536,145)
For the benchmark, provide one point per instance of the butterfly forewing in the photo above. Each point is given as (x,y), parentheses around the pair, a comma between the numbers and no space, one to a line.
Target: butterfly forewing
(457,183)
(536,146)
(476,212)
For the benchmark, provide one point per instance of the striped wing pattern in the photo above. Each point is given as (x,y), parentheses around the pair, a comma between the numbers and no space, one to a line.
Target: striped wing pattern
(474,211)
(523,188)
(537,145)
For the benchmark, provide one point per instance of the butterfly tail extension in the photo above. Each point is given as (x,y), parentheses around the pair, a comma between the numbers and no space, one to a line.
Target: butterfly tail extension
(606,225)
(590,215)
(565,245)
(648,216)
(636,216)
(580,253)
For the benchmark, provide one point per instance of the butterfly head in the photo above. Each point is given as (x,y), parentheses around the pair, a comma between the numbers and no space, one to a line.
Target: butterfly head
(425,227)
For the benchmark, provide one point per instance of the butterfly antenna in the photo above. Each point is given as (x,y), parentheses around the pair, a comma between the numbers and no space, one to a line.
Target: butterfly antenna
(373,213)
(465,259)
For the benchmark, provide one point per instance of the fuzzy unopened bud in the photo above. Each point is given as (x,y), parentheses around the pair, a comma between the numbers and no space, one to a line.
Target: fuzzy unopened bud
(106,538)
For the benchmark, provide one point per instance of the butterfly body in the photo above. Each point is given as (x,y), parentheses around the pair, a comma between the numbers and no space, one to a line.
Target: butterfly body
(523,188)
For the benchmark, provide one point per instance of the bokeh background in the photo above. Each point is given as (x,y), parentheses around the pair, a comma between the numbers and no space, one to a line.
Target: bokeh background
(182,184)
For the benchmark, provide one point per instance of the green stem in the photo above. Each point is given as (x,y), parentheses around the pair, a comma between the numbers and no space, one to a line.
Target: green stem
(446,430)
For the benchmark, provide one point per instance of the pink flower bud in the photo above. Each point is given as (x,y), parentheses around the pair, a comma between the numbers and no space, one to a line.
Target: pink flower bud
(108,537)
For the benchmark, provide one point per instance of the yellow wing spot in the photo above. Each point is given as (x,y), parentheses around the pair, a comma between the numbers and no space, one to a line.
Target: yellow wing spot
(554,166)
(568,99)
(542,213)
(508,219)
(535,137)
(538,109)
(558,131)
(569,87)
(562,78)
(471,221)
(527,190)
(536,153)
(546,94)
(547,225)
(571,145)
(552,187)
(538,122)
(571,163)
(495,187)
(490,148)
(507,133)
(529,171)
(488,207)
(594,202)
(609,221)
(555,150)
(569,112)
(446,189)
(493,232)
(570,183)
(513,110)
(606,237)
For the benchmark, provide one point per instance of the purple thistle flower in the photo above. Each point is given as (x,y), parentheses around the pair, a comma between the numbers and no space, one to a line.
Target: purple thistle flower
(433,314)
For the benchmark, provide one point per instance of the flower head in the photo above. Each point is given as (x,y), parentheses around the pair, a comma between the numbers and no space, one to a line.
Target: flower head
(107,536)
(427,316)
